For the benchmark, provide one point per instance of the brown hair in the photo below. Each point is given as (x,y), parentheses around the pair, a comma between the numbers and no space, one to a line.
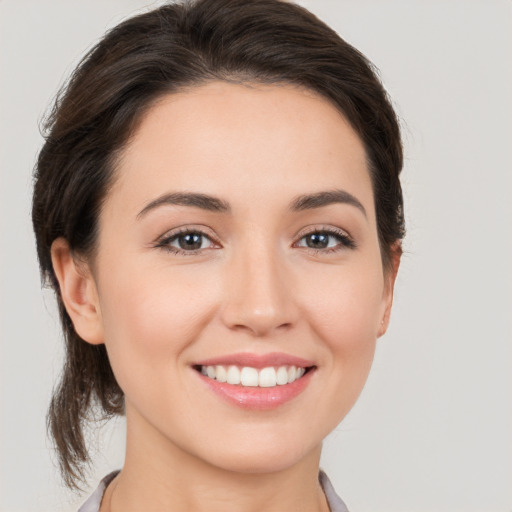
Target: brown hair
(157,53)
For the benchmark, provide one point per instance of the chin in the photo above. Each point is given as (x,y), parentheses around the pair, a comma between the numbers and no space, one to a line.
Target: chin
(261,458)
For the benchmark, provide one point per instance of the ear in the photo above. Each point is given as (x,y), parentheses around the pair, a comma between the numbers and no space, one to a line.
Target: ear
(78,292)
(389,286)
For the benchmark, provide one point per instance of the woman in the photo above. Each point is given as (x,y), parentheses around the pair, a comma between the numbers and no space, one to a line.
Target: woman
(218,208)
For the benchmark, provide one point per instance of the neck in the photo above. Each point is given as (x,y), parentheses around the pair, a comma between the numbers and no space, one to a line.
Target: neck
(158,475)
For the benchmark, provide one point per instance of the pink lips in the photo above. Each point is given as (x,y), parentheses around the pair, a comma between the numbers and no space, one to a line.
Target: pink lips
(255,397)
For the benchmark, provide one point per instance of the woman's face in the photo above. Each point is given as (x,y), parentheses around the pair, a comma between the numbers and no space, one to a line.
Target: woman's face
(240,234)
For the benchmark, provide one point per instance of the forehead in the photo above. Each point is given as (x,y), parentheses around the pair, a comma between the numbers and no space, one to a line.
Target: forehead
(247,140)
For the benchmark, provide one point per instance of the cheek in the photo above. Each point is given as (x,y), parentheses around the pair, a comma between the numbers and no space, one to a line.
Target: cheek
(349,309)
(346,317)
(151,317)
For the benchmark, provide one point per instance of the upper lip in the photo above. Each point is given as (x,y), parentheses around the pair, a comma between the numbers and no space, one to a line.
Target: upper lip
(257,360)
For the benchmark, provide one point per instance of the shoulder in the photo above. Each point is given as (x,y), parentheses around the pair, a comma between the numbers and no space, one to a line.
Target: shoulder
(93,502)
(336,504)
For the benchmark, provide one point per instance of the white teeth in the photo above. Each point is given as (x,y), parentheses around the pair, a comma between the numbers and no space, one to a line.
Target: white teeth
(282,376)
(221,374)
(233,376)
(267,378)
(251,377)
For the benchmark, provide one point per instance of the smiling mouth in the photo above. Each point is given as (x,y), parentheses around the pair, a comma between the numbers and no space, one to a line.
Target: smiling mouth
(247,376)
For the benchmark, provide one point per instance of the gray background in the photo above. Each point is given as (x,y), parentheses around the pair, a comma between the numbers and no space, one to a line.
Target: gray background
(433,428)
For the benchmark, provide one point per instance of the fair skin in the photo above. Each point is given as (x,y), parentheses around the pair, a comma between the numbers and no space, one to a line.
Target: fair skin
(259,276)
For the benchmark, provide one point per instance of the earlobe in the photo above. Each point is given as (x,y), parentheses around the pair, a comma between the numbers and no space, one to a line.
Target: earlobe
(390,277)
(78,292)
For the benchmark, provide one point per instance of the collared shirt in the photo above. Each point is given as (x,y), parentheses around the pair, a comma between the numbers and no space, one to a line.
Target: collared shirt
(93,502)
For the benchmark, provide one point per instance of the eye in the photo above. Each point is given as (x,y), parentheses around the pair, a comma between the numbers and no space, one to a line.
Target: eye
(186,241)
(326,241)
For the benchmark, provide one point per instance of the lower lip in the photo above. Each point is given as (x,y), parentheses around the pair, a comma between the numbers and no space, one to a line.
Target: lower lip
(255,397)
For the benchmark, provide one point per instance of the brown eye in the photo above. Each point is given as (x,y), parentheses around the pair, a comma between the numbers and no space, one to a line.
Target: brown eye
(190,241)
(186,242)
(317,240)
(326,241)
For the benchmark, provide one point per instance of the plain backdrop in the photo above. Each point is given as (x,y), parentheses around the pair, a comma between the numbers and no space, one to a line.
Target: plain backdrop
(433,428)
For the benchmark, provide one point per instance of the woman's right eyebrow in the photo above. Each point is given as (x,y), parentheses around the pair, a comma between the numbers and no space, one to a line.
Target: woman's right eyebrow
(194,199)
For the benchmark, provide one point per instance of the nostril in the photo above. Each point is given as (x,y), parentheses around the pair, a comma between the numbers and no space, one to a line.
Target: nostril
(260,327)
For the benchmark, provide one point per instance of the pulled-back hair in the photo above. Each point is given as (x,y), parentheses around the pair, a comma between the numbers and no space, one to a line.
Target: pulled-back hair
(153,54)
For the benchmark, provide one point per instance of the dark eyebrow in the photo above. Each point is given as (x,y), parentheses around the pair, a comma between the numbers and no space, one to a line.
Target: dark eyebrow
(320,199)
(214,204)
(196,200)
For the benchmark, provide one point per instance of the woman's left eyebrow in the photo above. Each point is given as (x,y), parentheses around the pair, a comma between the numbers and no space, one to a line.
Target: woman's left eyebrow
(215,204)
(325,198)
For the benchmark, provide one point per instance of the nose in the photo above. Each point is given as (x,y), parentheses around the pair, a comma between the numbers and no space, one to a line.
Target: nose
(258,294)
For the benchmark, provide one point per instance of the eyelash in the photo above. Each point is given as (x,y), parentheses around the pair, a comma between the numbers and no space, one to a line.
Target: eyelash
(344,241)
(165,241)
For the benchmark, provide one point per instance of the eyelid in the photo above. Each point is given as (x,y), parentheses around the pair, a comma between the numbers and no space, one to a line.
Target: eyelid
(322,228)
(347,241)
(164,240)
